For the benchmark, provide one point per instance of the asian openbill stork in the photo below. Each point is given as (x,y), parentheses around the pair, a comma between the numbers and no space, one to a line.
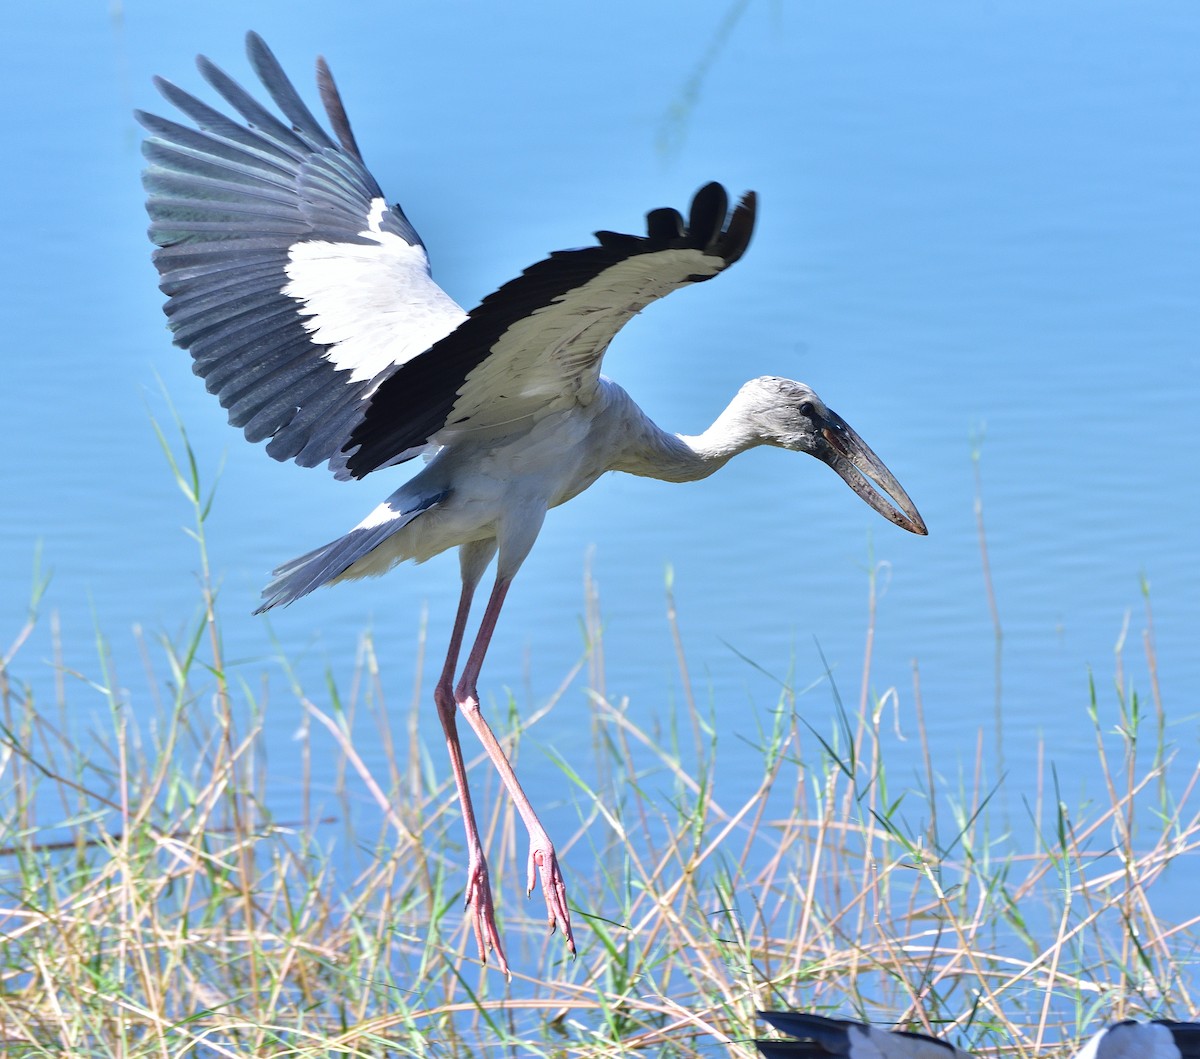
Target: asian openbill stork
(820,1037)
(307,305)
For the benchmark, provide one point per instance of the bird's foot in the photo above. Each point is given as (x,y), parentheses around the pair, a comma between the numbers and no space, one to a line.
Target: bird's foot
(554,889)
(483,914)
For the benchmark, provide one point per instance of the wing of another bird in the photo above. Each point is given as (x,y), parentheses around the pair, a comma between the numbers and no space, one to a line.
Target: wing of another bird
(292,283)
(538,341)
(820,1037)
(1160,1039)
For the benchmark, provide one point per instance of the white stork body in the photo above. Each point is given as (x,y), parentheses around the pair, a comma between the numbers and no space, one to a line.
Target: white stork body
(493,488)
(309,309)
(499,487)
(821,1037)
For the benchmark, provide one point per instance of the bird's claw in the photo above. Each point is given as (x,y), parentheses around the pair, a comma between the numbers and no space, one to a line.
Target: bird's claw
(483,915)
(554,889)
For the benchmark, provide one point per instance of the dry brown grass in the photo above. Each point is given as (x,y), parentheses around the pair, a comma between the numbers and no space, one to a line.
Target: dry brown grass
(150,905)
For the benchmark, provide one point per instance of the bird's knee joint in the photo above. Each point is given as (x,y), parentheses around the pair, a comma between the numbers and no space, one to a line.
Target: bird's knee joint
(468,701)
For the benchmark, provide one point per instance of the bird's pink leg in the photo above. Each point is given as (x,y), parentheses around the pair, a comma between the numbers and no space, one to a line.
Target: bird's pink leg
(541,849)
(479,887)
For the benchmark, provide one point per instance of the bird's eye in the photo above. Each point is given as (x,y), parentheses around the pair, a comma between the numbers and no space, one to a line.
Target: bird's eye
(806,408)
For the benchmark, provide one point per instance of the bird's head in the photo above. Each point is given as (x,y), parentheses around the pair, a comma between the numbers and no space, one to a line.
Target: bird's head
(791,416)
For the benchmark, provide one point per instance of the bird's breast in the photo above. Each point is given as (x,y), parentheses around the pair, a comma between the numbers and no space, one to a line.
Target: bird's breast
(555,459)
(491,481)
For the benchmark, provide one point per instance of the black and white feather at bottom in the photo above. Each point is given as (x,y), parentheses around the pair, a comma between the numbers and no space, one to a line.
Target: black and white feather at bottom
(1160,1039)
(821,1037)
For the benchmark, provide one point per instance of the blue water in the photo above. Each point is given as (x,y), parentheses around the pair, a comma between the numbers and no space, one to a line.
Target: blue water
(979,233)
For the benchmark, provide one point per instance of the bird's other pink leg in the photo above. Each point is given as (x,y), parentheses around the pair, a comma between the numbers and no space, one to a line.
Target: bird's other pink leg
(541,849)
(479,888)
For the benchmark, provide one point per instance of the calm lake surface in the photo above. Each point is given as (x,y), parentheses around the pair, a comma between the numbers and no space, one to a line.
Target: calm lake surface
(979,233)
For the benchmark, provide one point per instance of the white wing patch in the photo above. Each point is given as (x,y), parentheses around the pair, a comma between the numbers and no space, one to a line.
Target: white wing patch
(373,304)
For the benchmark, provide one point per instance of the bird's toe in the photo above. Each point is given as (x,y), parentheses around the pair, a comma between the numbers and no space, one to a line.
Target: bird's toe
(483,915)
(554,890)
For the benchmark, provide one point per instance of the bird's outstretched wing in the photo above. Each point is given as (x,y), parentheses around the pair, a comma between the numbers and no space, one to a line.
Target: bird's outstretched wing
(307,303)
(537,342)
(820,1037)
(293,284)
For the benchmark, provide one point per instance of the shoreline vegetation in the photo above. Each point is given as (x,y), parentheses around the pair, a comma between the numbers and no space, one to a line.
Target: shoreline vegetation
(152,905)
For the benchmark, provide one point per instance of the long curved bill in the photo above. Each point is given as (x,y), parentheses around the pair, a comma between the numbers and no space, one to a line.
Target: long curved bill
(866,474)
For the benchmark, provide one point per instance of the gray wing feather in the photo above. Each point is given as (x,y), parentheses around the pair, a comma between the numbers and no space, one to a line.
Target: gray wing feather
(821,1037)
(316,568)
(231,204)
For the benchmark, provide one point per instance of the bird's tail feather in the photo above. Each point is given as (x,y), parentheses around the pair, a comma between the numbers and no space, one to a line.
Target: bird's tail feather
(298,577)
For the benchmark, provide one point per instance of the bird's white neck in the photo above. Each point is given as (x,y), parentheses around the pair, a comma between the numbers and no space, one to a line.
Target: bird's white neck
(652,452)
